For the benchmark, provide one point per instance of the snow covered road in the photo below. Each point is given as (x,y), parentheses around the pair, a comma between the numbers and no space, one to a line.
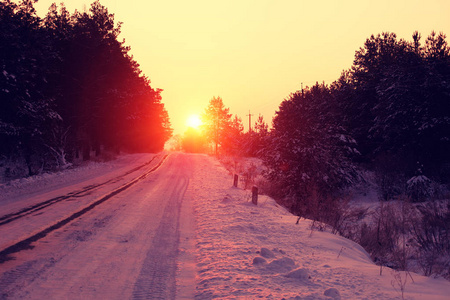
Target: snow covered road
(124,247)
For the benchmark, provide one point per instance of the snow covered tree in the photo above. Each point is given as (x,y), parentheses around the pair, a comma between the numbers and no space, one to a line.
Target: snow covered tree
(371,62)
(309,153)
(412,116)
(26,106)
(434,126)
(395,103)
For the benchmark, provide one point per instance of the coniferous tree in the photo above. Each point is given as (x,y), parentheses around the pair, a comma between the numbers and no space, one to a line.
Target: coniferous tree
(216,120)
(233,136)
(254,143)
(310,152)
(27,106)
(395,102)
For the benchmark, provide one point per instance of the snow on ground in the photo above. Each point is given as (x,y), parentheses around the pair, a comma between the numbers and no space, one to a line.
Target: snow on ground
(249,252)
(245,251)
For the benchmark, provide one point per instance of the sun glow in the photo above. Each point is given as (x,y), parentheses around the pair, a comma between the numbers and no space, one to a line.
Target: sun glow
(193,121)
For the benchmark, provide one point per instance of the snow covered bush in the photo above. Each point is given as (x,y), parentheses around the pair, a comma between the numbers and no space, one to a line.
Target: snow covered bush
(410,237)
(387,234)
(419,188)
(381,234)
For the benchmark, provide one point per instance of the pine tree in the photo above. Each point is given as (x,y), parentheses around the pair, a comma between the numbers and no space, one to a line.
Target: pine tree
(309,152)
(27,59)
(216,121)
(233,136)
(253,143)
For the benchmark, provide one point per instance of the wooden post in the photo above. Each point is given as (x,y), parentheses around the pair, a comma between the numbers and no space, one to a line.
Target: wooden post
(236,177)
(255,195)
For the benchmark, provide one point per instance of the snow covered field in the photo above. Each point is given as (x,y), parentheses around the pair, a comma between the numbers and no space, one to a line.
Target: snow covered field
(236,249)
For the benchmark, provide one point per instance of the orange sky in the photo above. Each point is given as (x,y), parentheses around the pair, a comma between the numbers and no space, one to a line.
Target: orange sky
(254,53)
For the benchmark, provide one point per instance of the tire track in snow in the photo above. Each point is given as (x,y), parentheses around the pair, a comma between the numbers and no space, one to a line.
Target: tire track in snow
(26,243)
(39,206)
(157,277)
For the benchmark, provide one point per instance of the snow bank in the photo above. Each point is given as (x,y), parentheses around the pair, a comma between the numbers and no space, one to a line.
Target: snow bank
(247,252)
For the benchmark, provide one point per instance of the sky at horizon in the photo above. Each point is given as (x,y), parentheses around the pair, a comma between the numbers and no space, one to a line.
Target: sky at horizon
(254,53)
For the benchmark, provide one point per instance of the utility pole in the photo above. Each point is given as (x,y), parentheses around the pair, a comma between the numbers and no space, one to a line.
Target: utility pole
(302,91)
(249,121)
(217,130)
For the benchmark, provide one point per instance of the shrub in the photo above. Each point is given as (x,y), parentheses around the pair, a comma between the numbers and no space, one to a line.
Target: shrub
(432,238)
(419,188)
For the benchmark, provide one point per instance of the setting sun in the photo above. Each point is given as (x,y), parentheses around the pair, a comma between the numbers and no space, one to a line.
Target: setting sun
(193,121)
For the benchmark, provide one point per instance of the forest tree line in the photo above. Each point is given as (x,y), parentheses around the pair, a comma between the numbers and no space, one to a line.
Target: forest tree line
(222,133)
(388,113)
(70,88)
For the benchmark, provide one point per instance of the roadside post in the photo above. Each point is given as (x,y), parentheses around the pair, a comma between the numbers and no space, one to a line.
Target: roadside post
(236,177)
(255,195)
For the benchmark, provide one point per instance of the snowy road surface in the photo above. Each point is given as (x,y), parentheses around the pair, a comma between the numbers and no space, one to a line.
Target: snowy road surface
(124,247)
(172,227)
